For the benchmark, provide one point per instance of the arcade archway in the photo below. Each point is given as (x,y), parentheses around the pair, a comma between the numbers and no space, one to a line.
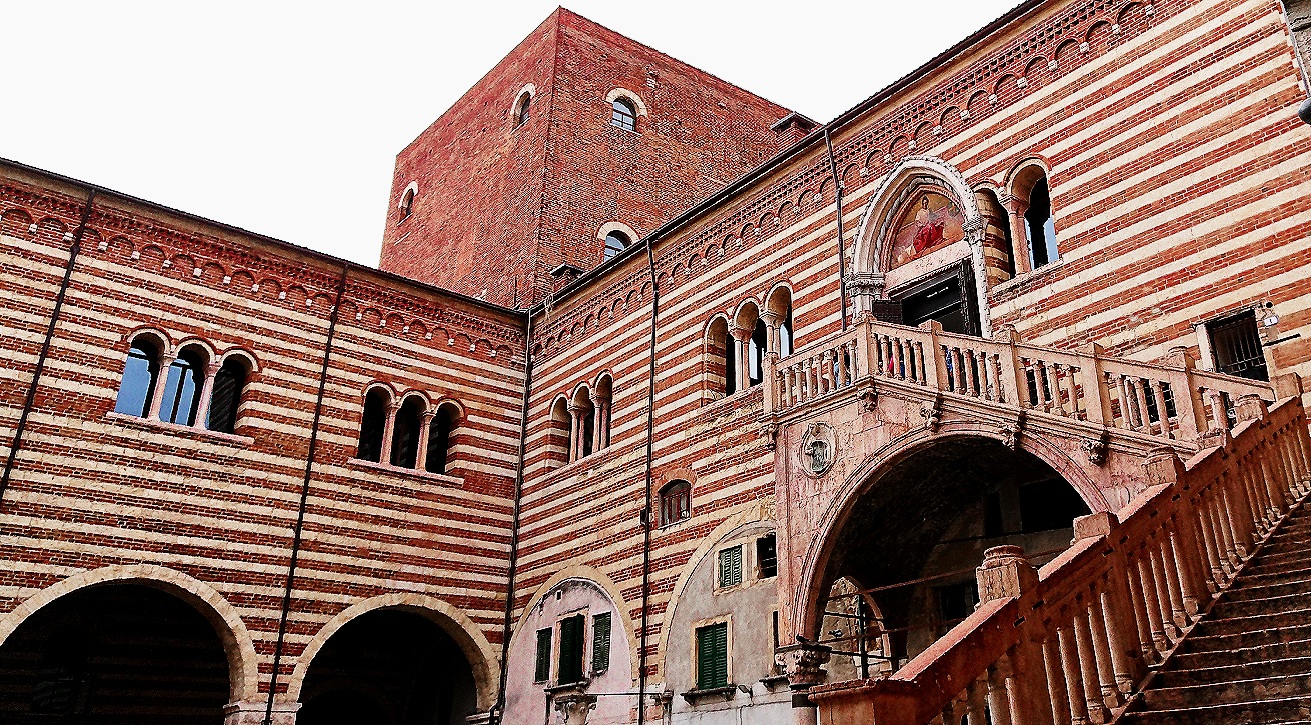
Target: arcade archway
(390,666)
(914,533)
(111,654)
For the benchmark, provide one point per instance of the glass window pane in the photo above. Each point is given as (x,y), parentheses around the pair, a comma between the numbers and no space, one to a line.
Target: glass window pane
(181,389)
(138,385)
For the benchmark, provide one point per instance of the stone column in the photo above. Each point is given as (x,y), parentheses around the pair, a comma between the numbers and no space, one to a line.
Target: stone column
(389,432)
(805,669)
(575,432)
(425,430)
(1016,207)
(601,424)
(773,321)
(161,382)
(741,336)
(206,392)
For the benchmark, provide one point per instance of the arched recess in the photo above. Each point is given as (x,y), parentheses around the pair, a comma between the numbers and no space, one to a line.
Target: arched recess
(874,237)
(479,653)
(894,465)
(243,674)
(742,519)
(597,577)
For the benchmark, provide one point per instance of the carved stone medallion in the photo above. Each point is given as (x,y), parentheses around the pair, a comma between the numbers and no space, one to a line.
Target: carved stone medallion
(818,447)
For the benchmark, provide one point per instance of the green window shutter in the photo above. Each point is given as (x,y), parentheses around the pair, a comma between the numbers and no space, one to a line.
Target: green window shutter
(712,656)
(571,649)
(730,566)
(543,671)
(601,642)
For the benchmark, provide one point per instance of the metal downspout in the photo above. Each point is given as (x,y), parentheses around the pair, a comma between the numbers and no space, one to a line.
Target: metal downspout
(499,708)
(304,496)
(646,510)
(74,249)
(842,249)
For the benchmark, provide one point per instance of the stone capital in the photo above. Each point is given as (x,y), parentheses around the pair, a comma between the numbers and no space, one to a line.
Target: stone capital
(805,664)
(574,706)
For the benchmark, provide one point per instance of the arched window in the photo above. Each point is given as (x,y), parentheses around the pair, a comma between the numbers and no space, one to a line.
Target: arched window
(584,425)
(559,436)
(229,382)
(1040,225)
(675,502)
(373,424)
(615,242)
(756,348)
(407,204)
(1031,216)
(521,114)
(730,363)
(182,387)
(778,316)
(601,406)
(623,114)
(140,374)
(718,360)
(405,432)
(440,431)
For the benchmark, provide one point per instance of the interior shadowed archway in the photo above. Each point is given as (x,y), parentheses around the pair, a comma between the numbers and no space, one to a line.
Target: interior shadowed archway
(915,527)
(116,653)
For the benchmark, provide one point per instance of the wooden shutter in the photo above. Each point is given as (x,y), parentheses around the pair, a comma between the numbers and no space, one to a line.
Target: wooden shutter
(712,656)
(571,649)
(601,642)
(543,670)
(730,566)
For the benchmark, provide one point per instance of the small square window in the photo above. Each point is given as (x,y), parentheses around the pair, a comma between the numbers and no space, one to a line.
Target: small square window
(730,566)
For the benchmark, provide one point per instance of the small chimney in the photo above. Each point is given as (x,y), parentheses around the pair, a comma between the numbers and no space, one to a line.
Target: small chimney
(792,128)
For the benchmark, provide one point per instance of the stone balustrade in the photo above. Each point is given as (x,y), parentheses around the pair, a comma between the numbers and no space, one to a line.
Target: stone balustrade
(1070,643)
(1169,401)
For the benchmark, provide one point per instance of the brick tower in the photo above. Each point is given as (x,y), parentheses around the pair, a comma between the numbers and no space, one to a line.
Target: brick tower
(491,197)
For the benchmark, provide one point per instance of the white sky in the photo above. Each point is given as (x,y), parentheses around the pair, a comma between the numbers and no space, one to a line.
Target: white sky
(285,118)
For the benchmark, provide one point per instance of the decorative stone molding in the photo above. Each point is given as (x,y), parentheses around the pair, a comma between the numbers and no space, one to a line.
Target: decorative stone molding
(931,412)
(574,705)
(1095,449)
(805,664)
(818,449)
(869,399)
(1010,432)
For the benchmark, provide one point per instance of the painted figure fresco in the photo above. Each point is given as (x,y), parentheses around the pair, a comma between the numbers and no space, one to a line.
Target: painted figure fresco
(931,222)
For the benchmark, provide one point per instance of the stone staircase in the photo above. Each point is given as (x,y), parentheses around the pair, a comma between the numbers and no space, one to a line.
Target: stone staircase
(1248,660)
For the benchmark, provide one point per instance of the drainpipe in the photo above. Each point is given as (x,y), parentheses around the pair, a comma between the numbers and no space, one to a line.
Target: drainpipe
(842,250)
(74,249)
(646,510)
(304,496)
(499,708)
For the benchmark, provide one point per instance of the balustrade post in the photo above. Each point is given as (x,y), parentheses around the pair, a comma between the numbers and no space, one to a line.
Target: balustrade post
(1164,552)
(864,358)
(976,694)
(1151,600)
(937,379)
(1009,371)
(1187,394)
(1058,693)
(1119,660)
(1094,687)
(1142,616)
(1094,384)
(1078,700)
(1183,542)
(773,384)
(999,701)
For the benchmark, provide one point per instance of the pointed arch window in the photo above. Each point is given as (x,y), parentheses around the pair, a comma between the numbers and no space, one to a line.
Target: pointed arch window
(140,375)
(521,114)
(407,203)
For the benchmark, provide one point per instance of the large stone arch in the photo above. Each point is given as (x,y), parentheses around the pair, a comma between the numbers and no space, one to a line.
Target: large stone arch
(872,252)
(896,451)
(594,576)
(243,672)
(753,515)
(479,653)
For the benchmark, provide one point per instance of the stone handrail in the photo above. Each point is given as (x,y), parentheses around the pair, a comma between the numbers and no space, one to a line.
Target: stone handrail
(1072,642)
(1170,400)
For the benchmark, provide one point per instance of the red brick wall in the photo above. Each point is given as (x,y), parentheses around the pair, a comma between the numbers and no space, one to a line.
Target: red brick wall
(499,206)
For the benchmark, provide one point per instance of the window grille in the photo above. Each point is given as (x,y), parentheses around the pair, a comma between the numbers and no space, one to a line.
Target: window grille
(767,556)
(1236,343)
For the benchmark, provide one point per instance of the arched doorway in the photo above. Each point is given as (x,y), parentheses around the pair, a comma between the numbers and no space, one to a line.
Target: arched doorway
(114,653)
(389,666)
(917,529)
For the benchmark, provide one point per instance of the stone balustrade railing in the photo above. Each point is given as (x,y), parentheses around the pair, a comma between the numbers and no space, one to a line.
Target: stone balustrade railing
(1072,642)
(1169,400)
